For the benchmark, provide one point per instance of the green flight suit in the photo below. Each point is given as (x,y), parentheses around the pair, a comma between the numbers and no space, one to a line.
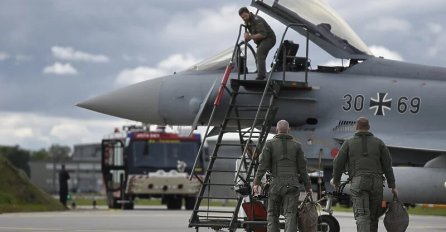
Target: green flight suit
(366,158)
(284,158)
(258,25)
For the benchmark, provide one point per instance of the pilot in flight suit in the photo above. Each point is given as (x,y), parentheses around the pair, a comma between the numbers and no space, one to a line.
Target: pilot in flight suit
(262,35)
(366,158)
(284,158)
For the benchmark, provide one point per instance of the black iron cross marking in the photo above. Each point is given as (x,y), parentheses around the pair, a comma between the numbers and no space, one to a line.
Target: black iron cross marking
(380,104)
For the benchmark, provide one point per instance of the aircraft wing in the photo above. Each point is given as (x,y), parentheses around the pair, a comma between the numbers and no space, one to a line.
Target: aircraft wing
(420,140)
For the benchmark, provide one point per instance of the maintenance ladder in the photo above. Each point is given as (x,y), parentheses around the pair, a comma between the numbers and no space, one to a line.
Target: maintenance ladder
(261,125)
(237,116)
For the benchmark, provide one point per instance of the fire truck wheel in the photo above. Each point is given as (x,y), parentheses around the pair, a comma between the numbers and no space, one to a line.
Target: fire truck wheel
(190,202)
(174,202)
(129,205)
(113,203)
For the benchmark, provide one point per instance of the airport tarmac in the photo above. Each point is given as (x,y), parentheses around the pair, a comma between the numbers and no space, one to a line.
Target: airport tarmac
(153,219)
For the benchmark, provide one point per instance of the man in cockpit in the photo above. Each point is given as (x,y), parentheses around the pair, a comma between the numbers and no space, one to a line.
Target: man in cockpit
(262,34)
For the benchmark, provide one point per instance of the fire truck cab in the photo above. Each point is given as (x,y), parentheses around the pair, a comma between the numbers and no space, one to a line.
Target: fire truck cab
(139,163)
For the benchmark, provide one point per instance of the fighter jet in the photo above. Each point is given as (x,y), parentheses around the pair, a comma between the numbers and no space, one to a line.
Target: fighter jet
(402,100)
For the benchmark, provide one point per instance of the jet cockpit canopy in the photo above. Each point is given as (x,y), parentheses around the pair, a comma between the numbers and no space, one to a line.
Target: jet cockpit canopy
(326,28)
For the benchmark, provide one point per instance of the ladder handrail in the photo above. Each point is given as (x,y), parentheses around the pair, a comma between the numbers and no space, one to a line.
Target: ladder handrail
(211,118)
(267,86)
(306,49)
(269,80)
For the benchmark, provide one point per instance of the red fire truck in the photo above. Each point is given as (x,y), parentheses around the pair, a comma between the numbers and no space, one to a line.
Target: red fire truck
(139,163)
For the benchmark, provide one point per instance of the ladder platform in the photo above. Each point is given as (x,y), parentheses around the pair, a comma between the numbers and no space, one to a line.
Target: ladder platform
(216,223)
(219,198)
(259,85)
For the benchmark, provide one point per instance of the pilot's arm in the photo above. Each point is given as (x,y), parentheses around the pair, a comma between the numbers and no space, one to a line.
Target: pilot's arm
(339,163)
(260,32)
(264,165)
(386,162)
(302,169)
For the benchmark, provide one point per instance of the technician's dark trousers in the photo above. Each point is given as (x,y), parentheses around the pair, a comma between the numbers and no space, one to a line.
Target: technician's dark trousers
(367,195)
(262,52)
(282,198)
(63,195)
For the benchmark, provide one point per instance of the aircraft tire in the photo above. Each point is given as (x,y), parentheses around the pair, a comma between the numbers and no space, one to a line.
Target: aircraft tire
(330,221)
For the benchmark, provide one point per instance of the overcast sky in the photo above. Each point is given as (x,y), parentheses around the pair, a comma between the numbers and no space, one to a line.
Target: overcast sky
(54,54)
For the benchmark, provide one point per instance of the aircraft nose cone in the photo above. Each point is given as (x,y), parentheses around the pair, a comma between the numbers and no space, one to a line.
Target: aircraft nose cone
(139,102)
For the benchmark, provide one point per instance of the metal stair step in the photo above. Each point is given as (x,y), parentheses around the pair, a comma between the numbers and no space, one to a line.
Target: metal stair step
(225,157)
(214,211)
(268,93)
(209,217)
(218,184)
(219,198)
(230,144)
(244,119)
(211,223)
(225,171)
(236,131)
(250,106)
(252,110)
(254,136)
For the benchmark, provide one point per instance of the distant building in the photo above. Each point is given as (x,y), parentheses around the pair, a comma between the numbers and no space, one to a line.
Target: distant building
(84,169)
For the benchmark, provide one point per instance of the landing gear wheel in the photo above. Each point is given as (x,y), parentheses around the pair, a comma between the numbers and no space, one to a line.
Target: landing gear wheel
(330,222)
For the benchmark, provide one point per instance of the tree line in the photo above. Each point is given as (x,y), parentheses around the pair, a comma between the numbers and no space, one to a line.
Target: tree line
(20,157)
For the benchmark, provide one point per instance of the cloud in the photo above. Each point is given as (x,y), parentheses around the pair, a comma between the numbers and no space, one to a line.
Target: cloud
(4,56)
(23,132)
(21,58)
(389,24)
(138,58)
(64,131)
(131,76)
(68,53)
(32,131)
(173,63)
(60,69)
(177,62)
(386,53)
(436,36)
(203,30)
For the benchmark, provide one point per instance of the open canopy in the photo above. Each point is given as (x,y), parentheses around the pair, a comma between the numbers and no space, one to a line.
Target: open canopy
(326,28)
